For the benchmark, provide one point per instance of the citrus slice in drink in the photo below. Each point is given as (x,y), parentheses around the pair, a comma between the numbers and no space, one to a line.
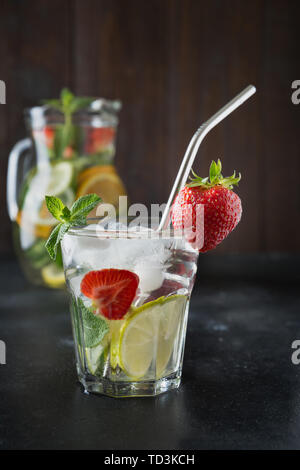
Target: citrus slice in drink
(53,276)
(115,331)
(173,309)
(148,336)
(107,184)
(95,357)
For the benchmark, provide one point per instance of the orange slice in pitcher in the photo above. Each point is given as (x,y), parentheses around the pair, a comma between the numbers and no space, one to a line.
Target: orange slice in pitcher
(94,170)
(105,182)
(39,230)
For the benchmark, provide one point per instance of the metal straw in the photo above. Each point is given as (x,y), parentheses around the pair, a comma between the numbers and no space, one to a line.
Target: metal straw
(193,147)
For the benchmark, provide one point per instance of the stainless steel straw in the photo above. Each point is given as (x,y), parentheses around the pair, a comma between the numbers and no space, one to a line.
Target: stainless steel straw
(194,145)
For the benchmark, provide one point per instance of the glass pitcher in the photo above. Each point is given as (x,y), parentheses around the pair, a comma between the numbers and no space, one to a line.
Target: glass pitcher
(63,159)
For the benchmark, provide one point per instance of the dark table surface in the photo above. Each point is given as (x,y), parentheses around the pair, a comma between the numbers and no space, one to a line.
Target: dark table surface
(240,389)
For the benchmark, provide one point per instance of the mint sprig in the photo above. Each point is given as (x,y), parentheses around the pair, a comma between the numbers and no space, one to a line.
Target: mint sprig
(94,327)
(67,217)
(215,178)
(67,104)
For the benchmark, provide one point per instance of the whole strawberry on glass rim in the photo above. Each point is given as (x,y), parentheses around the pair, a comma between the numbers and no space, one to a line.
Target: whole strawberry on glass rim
(222,206)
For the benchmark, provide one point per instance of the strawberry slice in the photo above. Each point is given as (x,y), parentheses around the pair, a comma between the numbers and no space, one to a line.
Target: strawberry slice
(112,290)
(99,138)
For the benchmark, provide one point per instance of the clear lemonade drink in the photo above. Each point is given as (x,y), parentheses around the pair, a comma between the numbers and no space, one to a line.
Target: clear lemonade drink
(130,294)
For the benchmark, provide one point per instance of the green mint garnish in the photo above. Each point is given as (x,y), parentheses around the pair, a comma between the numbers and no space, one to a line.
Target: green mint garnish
(67,217)
(67,105)
(215,178)
(94,327)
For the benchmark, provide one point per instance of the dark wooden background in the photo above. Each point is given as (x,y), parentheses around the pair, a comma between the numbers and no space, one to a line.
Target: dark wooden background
(173,63)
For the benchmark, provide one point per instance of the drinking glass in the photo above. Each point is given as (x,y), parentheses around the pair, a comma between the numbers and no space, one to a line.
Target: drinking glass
(141,353)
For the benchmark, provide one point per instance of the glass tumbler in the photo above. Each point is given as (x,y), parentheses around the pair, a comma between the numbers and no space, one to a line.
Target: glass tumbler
(130,292)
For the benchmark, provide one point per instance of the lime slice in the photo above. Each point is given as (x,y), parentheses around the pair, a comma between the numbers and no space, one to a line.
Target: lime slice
(148,336)
(54,180)
(95,357)
(61,178)
(53,276)
(115,332)
(173,309)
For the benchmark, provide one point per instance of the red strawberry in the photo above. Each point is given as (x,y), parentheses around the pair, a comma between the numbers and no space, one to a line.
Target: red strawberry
(45,136)
(49,135)
(99,138)
(222,207)
(112,290)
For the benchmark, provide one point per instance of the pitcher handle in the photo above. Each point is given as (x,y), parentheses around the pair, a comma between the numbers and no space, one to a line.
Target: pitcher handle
(12,173)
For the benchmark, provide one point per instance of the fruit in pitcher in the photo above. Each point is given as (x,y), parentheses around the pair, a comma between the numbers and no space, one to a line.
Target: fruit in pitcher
(53,276)
(45,135)
(87,173)
(103,181)
(222,206)
(99,138)
(112,291)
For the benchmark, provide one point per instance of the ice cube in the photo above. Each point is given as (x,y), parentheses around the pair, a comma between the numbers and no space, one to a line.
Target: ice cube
(85,251)
(145,256)
(74,283)
(151,275)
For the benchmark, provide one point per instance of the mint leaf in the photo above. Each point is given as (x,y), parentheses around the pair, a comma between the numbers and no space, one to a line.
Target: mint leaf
(66,214)
(66,97)
(79,103)
(67,218)
(65,134)
(94,327)
(68,102)
(51,243)
(56,207)
(55,238)
(83,206)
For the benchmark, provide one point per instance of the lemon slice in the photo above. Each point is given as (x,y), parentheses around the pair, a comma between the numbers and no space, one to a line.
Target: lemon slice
(115,331)
(173,309)
(148,336)
(52,180)
(53,276)
(60,179)
(107,185)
